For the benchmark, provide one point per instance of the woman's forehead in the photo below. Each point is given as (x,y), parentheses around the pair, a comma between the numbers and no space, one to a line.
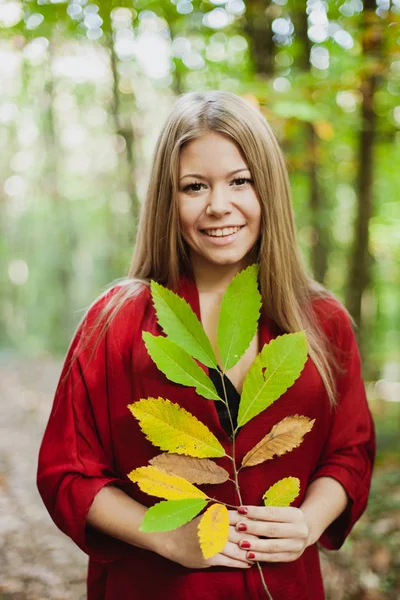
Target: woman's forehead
(212,152)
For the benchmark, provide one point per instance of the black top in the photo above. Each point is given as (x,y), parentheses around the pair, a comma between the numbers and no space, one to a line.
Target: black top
(233,400)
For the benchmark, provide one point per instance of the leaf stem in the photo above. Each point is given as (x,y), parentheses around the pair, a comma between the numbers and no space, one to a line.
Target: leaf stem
(263,582)
(233,438)
(236,472)
(220,501)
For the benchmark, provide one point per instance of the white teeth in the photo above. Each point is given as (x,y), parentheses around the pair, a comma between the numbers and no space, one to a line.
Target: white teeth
(221,232)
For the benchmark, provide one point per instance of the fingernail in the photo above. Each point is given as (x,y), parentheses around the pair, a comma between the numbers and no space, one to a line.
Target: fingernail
(251,555)
(242,510)
(242,527)
(245,545)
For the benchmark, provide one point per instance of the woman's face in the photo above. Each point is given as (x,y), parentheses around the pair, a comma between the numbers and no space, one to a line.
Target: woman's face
(219,210)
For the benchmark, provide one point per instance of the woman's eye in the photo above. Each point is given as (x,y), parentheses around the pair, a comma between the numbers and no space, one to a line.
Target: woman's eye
(193,187)
(240,181)
(196,187)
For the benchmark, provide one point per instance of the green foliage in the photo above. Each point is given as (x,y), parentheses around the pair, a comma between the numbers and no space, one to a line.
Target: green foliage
(170,514)
(178,365)
(181,324)
(79,212)
(240,310)
(304,111)
(275,369)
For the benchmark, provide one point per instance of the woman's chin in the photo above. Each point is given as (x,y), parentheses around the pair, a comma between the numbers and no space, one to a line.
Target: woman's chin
(240,261)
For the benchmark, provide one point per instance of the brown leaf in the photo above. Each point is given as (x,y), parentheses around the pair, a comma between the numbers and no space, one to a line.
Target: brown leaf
(283,437)
(195,470)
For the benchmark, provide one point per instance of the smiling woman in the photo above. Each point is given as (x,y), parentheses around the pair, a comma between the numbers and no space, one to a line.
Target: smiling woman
(218,199)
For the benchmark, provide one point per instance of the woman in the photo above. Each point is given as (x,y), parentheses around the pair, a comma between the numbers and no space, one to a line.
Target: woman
(218,200)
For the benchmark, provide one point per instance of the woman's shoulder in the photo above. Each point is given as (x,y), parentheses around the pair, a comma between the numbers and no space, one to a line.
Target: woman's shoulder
(115,316)
(123,299)
(332,316)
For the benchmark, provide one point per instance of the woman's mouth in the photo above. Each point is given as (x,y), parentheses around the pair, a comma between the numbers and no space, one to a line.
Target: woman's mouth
(223,236)
(222,232)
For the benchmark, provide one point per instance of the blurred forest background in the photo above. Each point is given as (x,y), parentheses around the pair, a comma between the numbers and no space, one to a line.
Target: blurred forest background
(84,88)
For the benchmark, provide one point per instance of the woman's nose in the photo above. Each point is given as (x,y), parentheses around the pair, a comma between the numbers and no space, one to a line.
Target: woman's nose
(218,203)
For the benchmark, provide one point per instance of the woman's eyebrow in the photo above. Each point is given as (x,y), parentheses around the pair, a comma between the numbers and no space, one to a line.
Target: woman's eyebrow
(201,176)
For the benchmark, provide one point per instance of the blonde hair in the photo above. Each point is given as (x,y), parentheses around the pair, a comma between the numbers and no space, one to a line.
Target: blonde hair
(162,254)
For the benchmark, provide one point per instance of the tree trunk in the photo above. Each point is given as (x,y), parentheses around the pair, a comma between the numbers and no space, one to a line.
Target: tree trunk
(316,199)
(360,259)
(124,128)
(63,276)
(257,26)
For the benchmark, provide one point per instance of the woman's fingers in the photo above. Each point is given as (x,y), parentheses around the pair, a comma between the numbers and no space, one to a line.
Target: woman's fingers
(234,552)
(273,522)
(234,517)
(237,536)
(280,557)
(280,514)
(272,546)
(224,561)
(272,533)
(270,530)
(233,555)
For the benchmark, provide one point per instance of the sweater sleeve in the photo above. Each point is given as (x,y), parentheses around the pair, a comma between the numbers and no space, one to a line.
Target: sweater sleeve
(75,459)
(349,451)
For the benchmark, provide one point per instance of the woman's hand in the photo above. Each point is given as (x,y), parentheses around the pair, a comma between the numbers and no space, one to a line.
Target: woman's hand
(285,528)
(182,546)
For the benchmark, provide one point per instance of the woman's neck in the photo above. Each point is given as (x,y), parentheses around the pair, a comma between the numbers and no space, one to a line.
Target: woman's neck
(214,279)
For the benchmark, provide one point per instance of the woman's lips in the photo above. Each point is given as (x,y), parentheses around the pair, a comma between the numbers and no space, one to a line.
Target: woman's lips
(223,240)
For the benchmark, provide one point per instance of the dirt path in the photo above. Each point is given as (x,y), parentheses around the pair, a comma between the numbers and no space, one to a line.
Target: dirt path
(37,562)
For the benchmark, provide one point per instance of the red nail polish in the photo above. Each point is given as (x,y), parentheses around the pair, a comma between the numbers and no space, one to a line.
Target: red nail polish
(245,545)
(242,527)
(242,510)
(251,555)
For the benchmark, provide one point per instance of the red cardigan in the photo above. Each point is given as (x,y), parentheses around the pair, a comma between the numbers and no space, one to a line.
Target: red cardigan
(92,440)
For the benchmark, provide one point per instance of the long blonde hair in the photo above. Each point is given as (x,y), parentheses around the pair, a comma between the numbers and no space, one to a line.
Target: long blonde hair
(162,254)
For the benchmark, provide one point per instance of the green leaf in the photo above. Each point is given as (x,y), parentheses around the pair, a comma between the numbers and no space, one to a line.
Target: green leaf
(304,111)
(170,514)
(274,371)
(240,310)
(178,365)
(181,324)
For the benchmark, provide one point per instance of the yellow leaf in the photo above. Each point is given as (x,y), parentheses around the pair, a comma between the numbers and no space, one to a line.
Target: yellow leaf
(174,429)
(283,437)
(283,492)
(195,470)
(161,484)
(324,130)
(213,530)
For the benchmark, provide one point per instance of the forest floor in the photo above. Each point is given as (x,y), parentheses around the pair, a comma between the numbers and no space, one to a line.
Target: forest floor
(37,562)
